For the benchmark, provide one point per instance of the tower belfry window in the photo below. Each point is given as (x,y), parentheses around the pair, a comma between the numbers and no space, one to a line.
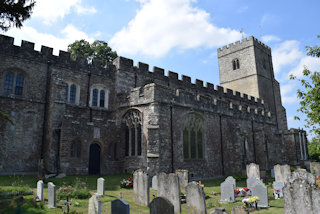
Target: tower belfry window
(235,64)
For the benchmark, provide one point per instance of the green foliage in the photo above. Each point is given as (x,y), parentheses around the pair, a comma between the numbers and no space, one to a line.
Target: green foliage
(314,149)
(98,50)
(13,13)
(5,117)
(310,94)
(78,191)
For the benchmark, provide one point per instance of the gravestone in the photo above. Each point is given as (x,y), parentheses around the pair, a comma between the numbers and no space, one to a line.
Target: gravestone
(169,187)
(140,187)
(155,182)
(51,195)
(94,205)
(120,206)
(278,189)
(301,194)
(100,186)
(253,170)
(232,181)
(160,205)
(40,190)
(183,177)
(219,211)
(227,191)
(315,168)
(260,190)
(195,198)
(239,210)
(272,173)
(282,172)
(252,181)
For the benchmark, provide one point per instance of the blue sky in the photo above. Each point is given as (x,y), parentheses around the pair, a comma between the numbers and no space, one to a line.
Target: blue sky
(183,35)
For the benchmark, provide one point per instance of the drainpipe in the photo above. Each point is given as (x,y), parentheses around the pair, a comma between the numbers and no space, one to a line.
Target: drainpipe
(221,145)
(254,144)
(171,138)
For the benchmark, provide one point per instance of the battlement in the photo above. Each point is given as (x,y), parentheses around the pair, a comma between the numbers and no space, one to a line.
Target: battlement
(45,55)
(239,45)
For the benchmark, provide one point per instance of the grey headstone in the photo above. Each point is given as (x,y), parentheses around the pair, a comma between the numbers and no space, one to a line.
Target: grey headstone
(239,210)
(155,182)
(301,194)
(100,186)
(260,190)
(51,195)
(120,206)
(40,190)
(232,181)
(252,181)
(161,205)
(219,211)
(183,177)
(169,187)
(253,170)
(282,172)
(272,173)
(195,198)
(315,168)
(278,189)
(227,191)
(94,205)
(140,188)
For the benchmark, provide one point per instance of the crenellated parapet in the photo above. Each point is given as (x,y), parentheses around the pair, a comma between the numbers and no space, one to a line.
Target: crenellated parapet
(240,45)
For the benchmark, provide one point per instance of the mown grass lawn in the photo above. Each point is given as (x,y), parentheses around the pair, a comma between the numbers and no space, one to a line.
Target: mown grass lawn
(23,184)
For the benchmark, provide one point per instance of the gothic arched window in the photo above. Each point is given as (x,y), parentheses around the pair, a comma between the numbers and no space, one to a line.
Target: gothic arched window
(73,92)
(75,151)
(193,140)
(235,64)
(95,97)
(102,97)
(133,133)
(14,83)
(8,84)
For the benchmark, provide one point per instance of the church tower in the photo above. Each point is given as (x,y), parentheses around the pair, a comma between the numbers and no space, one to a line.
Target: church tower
(246,67)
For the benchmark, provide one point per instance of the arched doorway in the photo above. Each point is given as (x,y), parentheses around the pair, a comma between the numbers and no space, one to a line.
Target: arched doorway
(94,159)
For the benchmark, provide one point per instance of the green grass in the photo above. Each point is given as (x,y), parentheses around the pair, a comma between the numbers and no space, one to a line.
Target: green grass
(112,192)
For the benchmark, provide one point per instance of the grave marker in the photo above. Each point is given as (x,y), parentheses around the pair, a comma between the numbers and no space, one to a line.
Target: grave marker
(140,188)
(252,181)
(227,191)
(160,205)
(40,190)
(100,186)
(51,195)
(260,190)
(155,182)
(253,170)
(282,172)
(120,206)
(183,177)
(278,189)
(94,205)
(195,197)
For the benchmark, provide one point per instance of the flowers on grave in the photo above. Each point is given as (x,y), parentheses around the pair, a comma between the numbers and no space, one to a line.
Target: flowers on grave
(126,183)
(200,183)
(251,202)
(242,192)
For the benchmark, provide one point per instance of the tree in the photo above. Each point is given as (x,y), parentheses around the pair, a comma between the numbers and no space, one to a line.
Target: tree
(14,12)
(98,50)
(309,95)
(314,149)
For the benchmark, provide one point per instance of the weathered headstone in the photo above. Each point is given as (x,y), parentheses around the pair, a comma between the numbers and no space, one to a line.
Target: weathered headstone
(253,170)
(120,206)
(301,194)
(219,211)
(155,182)
(100,186)
(183,177)
(239,210)
(160,205)
(40,190)
(227,191)
(315,168)
(278,189)
(232,181)
(169,187)
(252,181)
(195,198)
(260,190)
(140,187)
(282,172)
(94,205)
(51,195)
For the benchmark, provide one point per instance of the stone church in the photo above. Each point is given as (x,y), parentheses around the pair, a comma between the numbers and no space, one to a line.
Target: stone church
(80,118)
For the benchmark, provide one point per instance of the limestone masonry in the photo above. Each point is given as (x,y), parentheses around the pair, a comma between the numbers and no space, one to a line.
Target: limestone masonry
(80,118)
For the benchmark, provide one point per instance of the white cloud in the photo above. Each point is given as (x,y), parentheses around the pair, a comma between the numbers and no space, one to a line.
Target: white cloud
(312,63)
(69,34)
(270,38)
(160,26)
(52,10)
(287,53)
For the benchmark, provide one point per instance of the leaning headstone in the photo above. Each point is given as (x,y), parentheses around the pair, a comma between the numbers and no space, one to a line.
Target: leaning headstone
(140,187)
(219,211)
(278,189)
(160,205)
(40,190)
(232,181)
(252,181)
(169,187)
(260,190)
(195,197)
(239,210)
(155,182)
(227,191)
(183,177)
(120,206)
(301,194)
(51,195)
(100,186)
(94,205)
(315,168)
(282,172)
(253,170)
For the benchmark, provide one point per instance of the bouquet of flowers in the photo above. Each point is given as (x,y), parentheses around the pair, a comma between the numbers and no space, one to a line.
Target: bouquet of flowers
(126,183)
(251,202)
(242,192)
